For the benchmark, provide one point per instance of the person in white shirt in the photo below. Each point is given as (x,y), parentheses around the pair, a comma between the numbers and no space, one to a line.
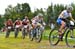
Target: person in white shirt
(62,17)
(38,21)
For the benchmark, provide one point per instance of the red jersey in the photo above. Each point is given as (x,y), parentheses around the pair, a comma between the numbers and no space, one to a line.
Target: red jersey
(18,22)
(9,23)
(25,22)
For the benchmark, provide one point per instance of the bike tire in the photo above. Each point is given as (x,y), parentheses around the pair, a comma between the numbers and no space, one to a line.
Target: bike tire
(7,33)
(38,40)
(23,34)
(31,35)
(16,33)
(50,37)
(70,41)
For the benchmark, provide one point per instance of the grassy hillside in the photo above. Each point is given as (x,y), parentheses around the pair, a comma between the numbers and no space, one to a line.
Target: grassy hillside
(19,43)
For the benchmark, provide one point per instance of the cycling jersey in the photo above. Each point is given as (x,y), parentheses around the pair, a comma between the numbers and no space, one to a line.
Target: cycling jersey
(64,15)
(25,21)
(37,20)
(9,23)
(18,22)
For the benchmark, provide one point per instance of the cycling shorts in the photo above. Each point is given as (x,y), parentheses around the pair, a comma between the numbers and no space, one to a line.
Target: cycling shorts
(59,21)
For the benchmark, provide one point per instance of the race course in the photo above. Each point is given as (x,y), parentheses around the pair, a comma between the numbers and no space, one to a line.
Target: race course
(19,43)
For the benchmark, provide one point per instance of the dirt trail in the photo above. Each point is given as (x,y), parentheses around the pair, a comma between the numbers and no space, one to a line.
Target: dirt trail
(44,44)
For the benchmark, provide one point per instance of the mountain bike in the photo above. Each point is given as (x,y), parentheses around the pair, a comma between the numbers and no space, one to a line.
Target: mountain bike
(36,34)
(9,28)
(17,29)
(24,31)
(54,37)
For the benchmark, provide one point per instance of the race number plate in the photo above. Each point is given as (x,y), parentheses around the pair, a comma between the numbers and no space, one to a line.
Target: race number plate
(9,27)
(17,26)
(25,26)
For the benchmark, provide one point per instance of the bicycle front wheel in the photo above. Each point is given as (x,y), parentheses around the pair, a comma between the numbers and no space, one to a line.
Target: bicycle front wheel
(54,37)
(38,36)
(70,39)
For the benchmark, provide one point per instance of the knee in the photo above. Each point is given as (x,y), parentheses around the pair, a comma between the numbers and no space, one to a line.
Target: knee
(63,24)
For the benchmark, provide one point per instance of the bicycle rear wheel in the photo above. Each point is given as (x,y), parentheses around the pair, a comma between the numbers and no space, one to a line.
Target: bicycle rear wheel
(54,37)
(70,40)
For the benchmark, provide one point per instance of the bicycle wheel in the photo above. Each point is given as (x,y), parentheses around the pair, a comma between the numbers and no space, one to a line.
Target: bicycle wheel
(70,41)
(7,33)
(31,34)
(16,33)
(38,35)
(54,37)
(23,33)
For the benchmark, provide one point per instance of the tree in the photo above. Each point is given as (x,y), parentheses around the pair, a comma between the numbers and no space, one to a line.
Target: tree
(57,10)
(25,9)
(20,10)
(2,19)
(73,12)
(49,13)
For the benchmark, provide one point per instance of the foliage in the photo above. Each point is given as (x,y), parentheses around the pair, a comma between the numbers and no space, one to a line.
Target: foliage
(2,19)
(20,10)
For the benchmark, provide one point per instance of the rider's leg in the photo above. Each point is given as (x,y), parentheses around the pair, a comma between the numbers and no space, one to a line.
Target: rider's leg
(61,30)
(61,27)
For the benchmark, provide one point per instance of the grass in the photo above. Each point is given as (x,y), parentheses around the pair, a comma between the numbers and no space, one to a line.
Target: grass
(19,43)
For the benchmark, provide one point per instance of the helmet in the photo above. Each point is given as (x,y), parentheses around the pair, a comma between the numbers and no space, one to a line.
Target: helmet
(9,19)
(69,8)
(40,14)
(18,18)
(26,17)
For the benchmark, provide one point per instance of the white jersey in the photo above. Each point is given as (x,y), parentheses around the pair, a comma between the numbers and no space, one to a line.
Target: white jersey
(36,20)
(64,14)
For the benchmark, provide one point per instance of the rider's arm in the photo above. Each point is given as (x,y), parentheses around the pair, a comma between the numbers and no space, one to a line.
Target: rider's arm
(11,23)
(61,14)
(28,21)
(14,23)
(20,23)
(71,17)
(6,23)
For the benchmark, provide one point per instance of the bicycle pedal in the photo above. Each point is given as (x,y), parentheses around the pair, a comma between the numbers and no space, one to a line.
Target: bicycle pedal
(60,38)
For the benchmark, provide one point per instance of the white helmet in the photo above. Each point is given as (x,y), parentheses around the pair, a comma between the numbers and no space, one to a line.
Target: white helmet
(69,8)
(40,14)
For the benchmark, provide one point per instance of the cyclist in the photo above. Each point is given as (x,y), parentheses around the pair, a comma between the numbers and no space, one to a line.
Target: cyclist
(9,23)
(26,23)
(62,19)
(9,26)
(38,21)
(17,24)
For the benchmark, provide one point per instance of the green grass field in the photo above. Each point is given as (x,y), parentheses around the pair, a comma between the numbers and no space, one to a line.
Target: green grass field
(19,43)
